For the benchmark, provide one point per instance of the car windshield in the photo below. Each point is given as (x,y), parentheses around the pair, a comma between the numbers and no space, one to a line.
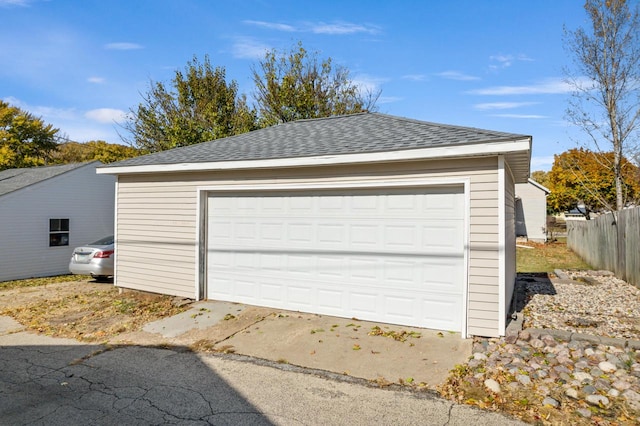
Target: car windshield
(103,241)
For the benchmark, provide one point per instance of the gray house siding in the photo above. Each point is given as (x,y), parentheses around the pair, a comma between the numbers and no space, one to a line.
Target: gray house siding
(81,196)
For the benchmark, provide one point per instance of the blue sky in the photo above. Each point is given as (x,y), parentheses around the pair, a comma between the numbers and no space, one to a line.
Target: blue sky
(492,64)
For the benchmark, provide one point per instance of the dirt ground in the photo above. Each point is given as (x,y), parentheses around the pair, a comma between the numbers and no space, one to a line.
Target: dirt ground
(84,309)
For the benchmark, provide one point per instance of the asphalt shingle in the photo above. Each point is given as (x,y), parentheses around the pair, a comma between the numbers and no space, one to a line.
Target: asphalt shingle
(14,179)
(347,134)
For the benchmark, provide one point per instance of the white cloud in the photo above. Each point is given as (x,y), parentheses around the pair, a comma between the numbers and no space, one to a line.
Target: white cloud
(96,80)
(9,3)
(547,87)
(368,84)
(502,105)
(340,28)
(272,25)
(457,75)
(505,61)
(333,28)
(47,113)
(248,48)
(105,115)
(81,132)
(415,77)
(122,46)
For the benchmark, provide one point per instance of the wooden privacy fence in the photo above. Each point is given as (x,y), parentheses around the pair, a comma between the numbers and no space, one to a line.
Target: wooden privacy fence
(607,243)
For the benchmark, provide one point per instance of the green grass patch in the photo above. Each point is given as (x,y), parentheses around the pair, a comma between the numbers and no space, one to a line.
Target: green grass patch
(547,257)
(37,282)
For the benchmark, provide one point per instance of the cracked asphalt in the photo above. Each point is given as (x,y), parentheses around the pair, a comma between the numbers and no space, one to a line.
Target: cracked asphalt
(54,381)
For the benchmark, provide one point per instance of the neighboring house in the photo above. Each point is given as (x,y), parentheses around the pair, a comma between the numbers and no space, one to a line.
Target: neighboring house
(531,211)
(46,211)
(576,214)
(369,216)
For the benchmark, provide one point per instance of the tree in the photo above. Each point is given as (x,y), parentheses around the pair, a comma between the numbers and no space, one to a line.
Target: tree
(25,140)
(541,177)
(607,105)
(198,106)
(583,175)
(75,152)
(295,85)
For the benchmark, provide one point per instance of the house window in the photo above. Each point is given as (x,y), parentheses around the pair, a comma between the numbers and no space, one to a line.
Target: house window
(58,232)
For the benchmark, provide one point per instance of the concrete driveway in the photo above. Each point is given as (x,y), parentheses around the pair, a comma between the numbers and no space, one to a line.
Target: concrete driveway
(373,351)
(50,381)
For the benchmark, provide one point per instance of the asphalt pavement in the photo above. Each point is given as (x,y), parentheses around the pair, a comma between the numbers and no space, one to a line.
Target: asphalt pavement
(52,381)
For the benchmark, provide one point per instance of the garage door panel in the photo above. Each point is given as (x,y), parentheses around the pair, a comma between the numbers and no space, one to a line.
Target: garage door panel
(437,312)
(331,300)
(384,255)
(401,308)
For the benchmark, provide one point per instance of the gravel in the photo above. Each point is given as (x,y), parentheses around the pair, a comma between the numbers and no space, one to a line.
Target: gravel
(592,302)
(560,357)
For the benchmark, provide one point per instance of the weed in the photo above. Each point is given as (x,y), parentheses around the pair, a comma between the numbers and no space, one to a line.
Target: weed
(400,336)
(124,306)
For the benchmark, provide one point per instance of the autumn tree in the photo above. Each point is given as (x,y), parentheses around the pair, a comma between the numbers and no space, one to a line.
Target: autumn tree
(76,152)
(198,105)
(584,175)
(541,177)
(295,85)
(606,82)
(25,140)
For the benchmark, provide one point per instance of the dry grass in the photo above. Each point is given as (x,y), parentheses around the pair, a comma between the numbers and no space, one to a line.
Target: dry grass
(36,282)
(83,310)
(545,257)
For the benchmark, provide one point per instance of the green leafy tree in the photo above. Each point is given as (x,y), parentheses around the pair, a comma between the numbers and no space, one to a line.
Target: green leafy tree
(296,85)
(25,140)
(75,152)
(198,106)
(606,82)
(584,175)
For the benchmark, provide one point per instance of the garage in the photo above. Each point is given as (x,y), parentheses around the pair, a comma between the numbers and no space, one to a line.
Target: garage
(393,255)
(366,216)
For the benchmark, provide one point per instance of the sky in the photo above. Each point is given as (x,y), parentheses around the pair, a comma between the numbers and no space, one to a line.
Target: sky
(490,64)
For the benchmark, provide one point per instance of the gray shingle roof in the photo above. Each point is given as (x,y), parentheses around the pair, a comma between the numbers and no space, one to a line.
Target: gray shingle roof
(14,179)
(347,134)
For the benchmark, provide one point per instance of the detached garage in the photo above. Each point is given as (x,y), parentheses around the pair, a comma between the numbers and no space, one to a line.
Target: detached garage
(370,216)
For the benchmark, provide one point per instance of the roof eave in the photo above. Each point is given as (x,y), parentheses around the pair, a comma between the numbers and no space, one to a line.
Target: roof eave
(516,149)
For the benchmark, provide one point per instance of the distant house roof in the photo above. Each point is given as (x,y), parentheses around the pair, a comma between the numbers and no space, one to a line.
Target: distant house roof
(364,133)
(14,179)
(539,186)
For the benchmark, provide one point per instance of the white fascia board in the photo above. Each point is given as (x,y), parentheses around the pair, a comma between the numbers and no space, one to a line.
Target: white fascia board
(539,186)
(472,150)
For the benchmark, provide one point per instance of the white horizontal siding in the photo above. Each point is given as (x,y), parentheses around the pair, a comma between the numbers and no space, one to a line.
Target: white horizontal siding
(157,214)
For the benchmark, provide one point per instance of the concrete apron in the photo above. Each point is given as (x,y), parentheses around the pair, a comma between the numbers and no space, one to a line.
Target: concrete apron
(356,348)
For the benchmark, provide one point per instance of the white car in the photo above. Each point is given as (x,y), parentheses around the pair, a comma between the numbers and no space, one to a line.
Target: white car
(95,259)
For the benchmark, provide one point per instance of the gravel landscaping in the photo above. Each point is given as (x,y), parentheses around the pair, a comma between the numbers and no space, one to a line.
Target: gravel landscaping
(590,302)
(576,360)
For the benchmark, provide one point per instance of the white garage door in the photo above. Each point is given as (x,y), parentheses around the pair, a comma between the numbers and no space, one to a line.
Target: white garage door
(392,256)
